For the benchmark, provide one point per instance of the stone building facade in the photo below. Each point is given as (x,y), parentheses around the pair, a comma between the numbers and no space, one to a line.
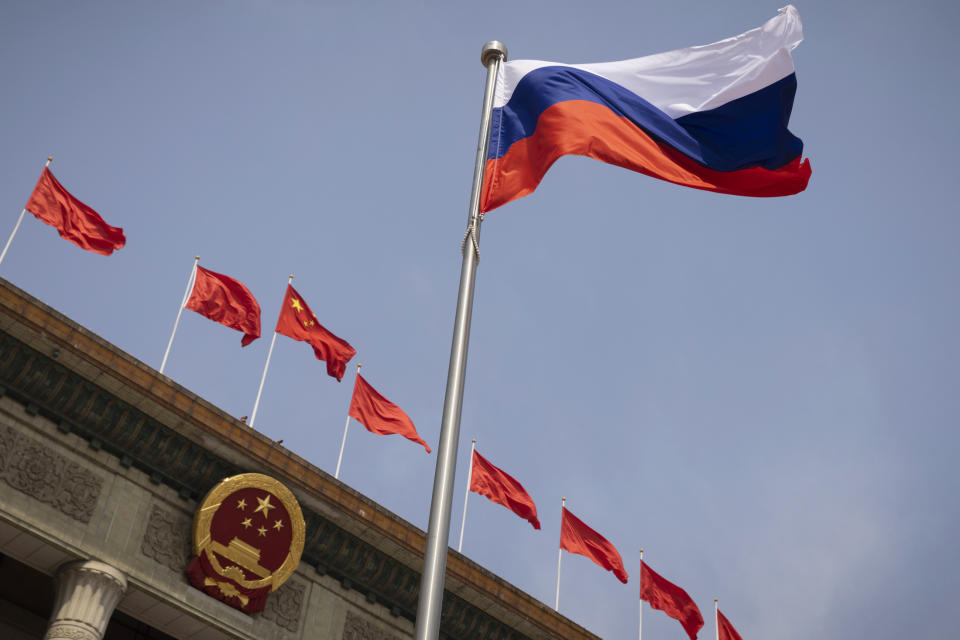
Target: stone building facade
(102,463)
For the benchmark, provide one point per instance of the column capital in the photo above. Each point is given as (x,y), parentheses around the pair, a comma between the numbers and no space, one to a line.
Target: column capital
(87,593)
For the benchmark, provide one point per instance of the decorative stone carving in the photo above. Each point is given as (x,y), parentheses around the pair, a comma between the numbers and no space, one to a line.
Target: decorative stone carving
(41,473)
(87,593)
(79,494)
(36,471)
(284,606)
(167,539)
(356,628)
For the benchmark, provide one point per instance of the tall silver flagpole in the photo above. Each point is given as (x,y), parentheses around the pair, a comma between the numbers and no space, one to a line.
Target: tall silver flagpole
(438,530)
(463,523)
(263,378)
(183,303)
(20,219)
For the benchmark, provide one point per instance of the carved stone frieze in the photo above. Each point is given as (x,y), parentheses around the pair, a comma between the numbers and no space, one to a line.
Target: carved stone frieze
(357,628)
(285,605)
(41,473)
(167,539)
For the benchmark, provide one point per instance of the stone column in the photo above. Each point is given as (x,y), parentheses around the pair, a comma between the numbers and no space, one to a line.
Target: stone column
(87,593)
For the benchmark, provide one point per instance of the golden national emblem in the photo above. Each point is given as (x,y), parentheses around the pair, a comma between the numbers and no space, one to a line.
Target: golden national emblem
(248,536)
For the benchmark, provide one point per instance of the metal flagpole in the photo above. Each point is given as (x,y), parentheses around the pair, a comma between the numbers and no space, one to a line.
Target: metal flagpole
(186,294)
(640,615)
(438,529)
(463,523)
(716,617)
(20,219)
(556,605)
(263,378)
(343,443)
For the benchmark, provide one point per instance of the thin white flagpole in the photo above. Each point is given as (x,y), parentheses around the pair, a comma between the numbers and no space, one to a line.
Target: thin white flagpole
(716,617)
(640,615)
(463,523)
(343,443)
(263,378)
(430,602)
(186,294)
(20,219)
(556,605)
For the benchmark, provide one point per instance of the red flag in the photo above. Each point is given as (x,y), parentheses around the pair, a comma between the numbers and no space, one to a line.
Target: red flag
(488,480)
(298,322)
(227,301)
(75,221)
(671,599)
(725,630)
(379,415)
(577,537)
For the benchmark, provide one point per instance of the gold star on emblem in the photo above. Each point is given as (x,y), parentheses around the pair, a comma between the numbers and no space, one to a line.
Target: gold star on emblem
(242,504)
(296,305)
(262,531)
(278,525)
(265,506)
(247,524)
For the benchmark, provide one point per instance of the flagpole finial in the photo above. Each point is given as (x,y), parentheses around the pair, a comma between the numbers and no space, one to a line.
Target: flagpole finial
(474,441)
(493,50)
(291,276)
(358,367)
(716,599)
(196,257)
(641,550)
(49,158)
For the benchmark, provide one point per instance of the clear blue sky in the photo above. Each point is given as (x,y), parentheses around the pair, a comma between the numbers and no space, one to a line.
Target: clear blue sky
(760,393)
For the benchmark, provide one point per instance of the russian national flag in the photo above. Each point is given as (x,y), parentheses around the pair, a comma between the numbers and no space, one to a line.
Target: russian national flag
(712,117)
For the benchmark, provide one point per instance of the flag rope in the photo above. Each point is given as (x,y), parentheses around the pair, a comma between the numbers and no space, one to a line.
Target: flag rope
(471,233)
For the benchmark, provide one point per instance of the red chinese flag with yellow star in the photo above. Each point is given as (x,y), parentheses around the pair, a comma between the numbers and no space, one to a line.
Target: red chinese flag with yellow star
(298,322)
